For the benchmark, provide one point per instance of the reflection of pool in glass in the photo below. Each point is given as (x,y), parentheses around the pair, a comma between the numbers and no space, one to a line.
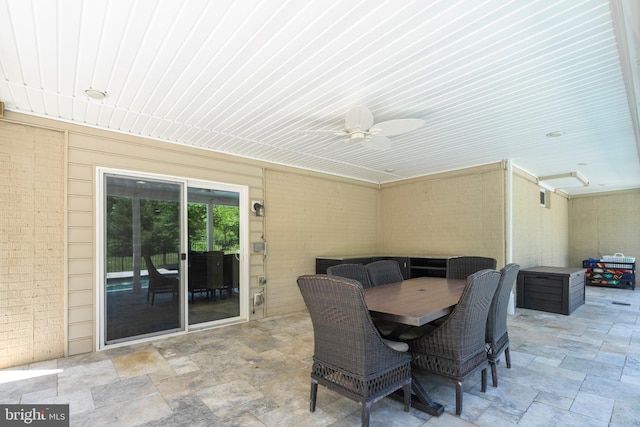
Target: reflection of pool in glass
(125,283)
(123,280)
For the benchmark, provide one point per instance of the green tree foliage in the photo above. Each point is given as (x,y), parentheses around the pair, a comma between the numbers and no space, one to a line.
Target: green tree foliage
(225,225)
(160,231)
(119,226)
(197,227)
(226,231)
(160,222)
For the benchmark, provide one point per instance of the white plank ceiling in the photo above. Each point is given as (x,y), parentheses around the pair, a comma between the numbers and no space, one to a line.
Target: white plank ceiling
(250,77)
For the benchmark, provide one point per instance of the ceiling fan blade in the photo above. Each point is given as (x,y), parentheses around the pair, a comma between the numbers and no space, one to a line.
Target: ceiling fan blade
(358,118)
(331,132)
(323,134)
(377,142)
(396,127)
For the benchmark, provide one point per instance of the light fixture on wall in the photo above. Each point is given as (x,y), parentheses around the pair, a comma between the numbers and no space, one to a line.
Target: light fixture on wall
(257,207)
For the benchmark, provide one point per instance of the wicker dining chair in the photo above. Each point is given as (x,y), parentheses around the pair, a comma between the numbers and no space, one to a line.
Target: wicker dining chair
(359,272)
(350,357)
(497,337)
(351,271)
(384,272)
(464,266)
(456,348)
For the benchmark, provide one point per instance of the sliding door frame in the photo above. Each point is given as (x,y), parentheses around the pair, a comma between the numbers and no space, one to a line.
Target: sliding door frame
(100,240)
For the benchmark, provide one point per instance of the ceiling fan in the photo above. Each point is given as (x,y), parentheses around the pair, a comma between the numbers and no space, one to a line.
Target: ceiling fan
(359,127)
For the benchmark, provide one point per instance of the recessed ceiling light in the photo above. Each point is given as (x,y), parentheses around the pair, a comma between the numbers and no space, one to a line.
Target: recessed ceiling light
(555,134)
(95,94)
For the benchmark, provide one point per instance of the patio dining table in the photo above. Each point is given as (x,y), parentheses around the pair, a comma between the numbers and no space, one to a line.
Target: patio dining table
(416,302)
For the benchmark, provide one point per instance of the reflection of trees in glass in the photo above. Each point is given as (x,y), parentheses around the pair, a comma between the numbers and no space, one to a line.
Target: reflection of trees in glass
(119,226)
(160,230)
(197,225)
(160,222)
(226,232)
(159,225)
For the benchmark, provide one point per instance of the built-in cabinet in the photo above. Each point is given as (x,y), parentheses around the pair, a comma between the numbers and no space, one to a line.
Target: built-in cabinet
(411,266)
(428,266)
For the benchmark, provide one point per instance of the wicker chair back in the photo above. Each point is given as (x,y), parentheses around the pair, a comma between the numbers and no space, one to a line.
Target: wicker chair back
(384,272)
(456,348)
(496,336)
(351,271)
(464,266)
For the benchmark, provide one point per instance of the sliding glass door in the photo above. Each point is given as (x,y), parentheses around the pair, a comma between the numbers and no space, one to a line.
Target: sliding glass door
(171,256)
(142,292)
(214,254)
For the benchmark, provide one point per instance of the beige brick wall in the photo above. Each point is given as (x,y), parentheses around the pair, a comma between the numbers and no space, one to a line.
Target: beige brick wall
(309,215)
(540,235)
(32,290)
(458,213)
(604,224)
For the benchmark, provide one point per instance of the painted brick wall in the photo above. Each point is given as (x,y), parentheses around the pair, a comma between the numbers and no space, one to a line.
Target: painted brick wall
(540,235)
(604,224)
(458,213)
(309,216)
(32,247)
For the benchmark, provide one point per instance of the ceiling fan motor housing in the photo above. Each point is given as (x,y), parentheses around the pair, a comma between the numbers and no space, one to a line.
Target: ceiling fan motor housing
(357,135)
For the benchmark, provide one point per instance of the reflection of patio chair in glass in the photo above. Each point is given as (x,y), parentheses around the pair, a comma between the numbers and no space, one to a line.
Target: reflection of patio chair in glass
(230,279)
(206,273)
(158,283)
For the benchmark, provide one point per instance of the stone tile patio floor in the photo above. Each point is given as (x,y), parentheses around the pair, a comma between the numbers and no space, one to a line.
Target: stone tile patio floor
(578,370)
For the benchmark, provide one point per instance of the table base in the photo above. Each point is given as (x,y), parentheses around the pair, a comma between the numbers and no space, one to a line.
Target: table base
(420,399)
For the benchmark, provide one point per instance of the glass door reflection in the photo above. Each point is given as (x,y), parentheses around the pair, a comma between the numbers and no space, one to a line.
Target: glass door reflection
(142,293)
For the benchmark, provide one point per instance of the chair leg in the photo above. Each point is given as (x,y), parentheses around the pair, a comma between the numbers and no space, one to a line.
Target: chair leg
(458,397)
(484,380)
(366,410)
(507,357)
(406,389)
(314,396)
(494,373)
